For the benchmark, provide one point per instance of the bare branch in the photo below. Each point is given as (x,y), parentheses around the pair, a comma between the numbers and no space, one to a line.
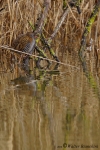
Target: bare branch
(59,24)
(42,17)
(31,56)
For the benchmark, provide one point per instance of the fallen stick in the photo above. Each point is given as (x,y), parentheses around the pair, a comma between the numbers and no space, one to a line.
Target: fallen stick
(31,56)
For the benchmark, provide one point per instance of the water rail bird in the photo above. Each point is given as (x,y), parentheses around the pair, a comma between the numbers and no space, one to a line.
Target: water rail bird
(25,43)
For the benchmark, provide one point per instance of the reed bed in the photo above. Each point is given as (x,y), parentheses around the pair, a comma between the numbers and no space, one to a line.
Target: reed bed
(43,115)
(16,13)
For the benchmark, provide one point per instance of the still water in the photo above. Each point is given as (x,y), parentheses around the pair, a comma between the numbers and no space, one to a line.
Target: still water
(48,109)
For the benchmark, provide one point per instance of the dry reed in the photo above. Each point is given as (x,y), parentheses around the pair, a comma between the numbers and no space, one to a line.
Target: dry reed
(13,21)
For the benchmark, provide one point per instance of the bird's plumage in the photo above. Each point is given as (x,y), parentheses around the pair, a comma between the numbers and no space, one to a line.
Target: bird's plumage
(24,42)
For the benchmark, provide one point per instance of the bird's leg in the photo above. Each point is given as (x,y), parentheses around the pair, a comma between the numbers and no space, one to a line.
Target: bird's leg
(38,63)
(26,60)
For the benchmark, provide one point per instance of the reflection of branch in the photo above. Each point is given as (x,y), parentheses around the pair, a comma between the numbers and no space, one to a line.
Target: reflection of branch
(30,79)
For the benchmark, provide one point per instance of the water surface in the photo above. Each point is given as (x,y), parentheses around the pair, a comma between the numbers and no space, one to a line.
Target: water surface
(48,109)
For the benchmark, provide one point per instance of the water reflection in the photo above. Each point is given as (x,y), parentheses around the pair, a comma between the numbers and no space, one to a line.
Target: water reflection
(34,81)
(45,108)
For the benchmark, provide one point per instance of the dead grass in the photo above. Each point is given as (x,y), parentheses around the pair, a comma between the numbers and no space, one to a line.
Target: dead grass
(13,21)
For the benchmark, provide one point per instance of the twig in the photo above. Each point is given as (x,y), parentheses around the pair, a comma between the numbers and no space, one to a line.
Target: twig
(42,18)
(31,56)
(39,30)
(58,25)
(48,42)
(2,9)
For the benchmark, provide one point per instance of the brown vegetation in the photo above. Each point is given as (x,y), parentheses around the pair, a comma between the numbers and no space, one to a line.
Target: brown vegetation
(13,22)
(46,112)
